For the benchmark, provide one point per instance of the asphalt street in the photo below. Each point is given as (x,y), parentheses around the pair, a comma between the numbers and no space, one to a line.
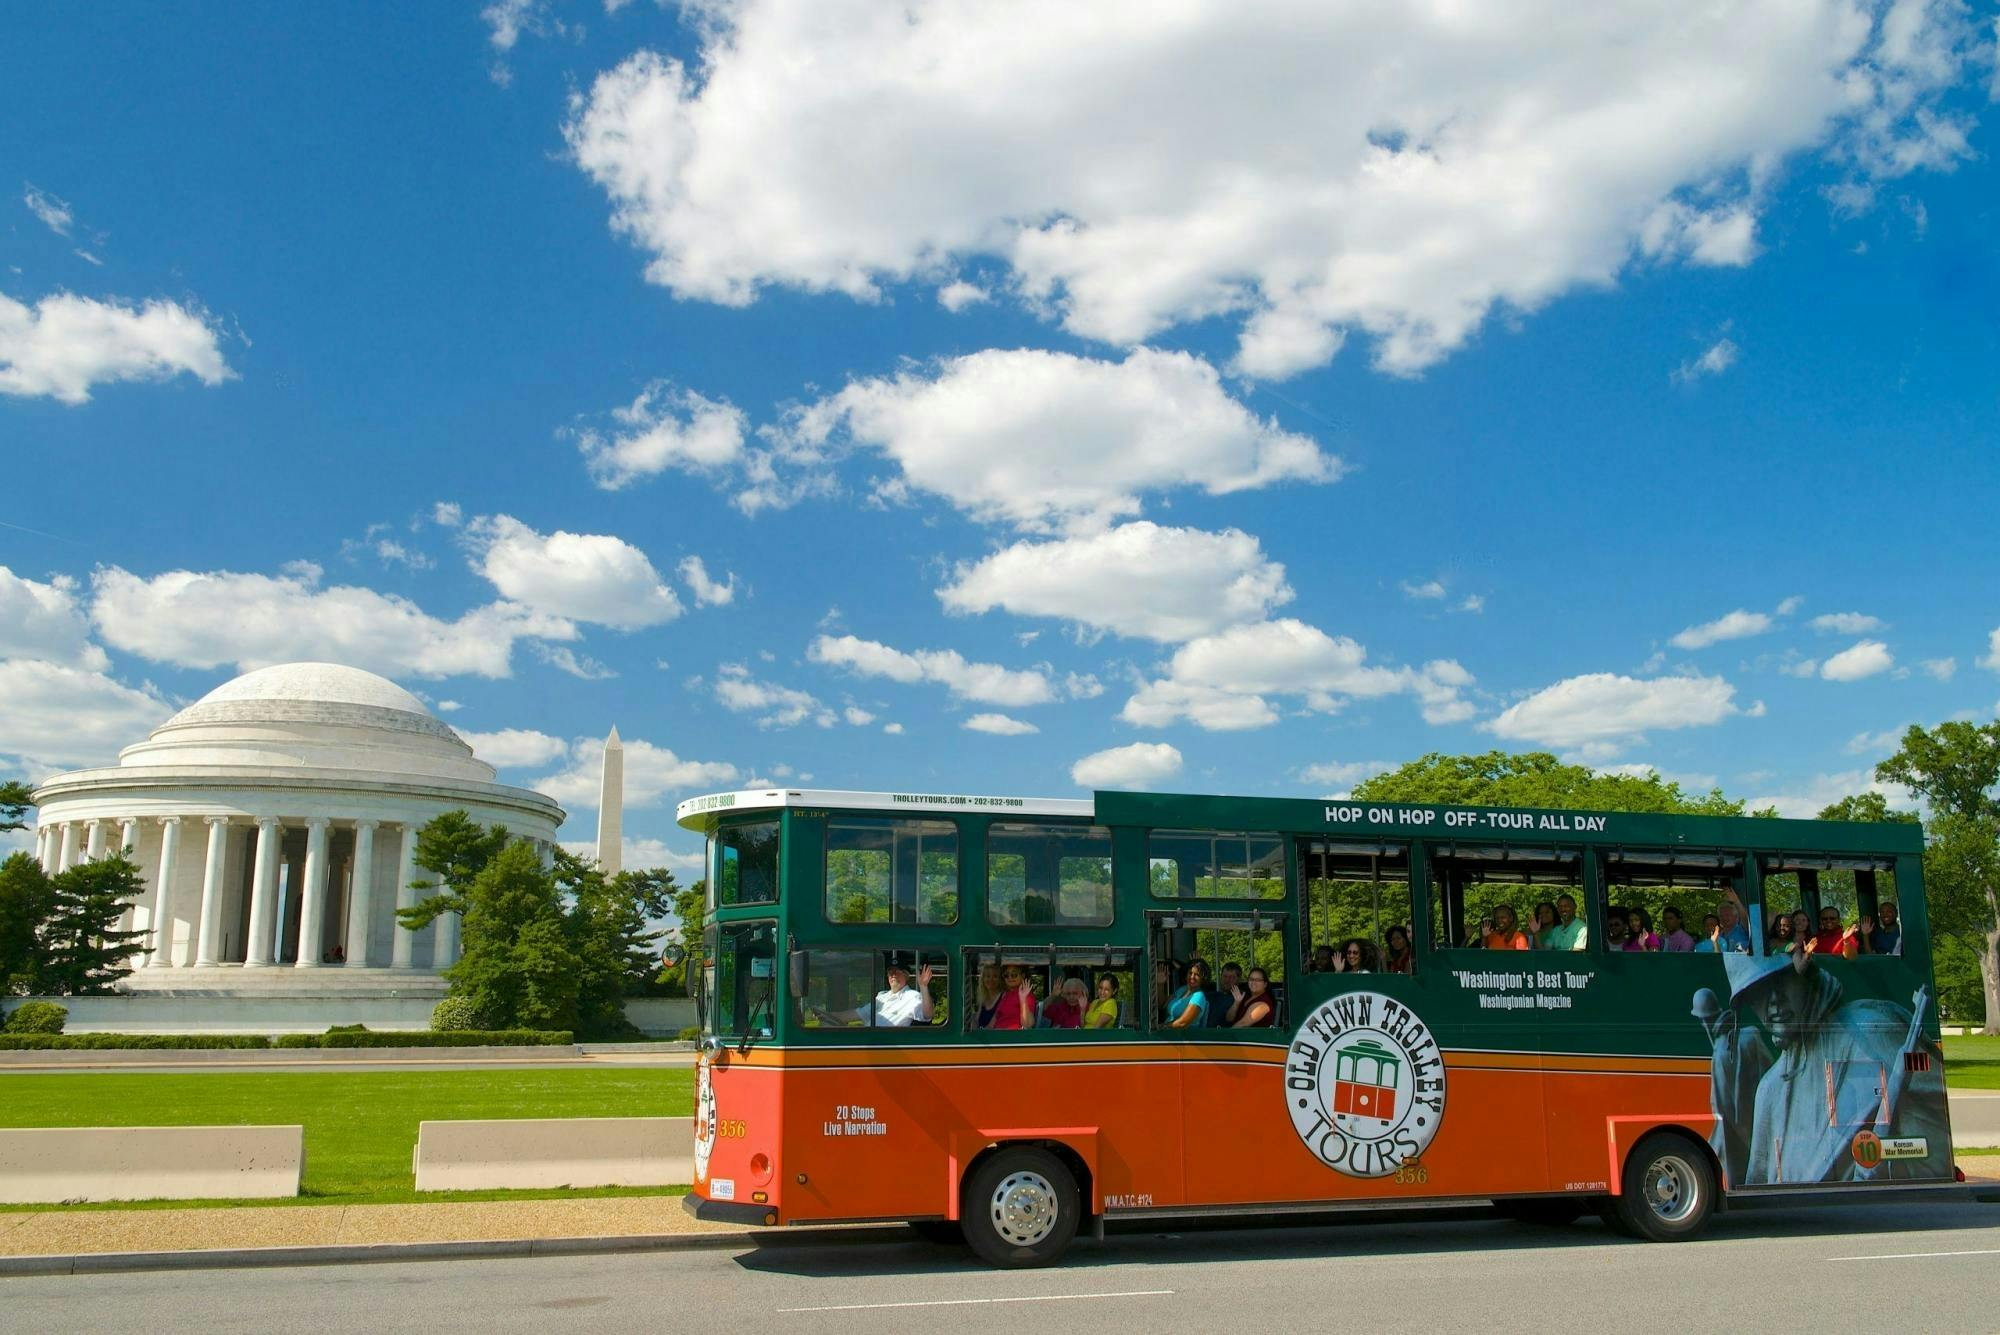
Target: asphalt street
(1933,1267)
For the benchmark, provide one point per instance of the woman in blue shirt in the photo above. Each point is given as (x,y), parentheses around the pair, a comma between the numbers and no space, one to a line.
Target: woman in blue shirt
(1188,1008)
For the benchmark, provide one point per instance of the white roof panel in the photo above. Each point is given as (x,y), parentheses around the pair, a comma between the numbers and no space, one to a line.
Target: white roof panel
(700,813)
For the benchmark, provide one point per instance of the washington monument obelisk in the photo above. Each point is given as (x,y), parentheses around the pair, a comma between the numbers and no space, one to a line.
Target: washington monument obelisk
(611,806)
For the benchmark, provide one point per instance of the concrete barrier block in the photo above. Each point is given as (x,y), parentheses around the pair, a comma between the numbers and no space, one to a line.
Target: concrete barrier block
(47,1165)
(555,1152)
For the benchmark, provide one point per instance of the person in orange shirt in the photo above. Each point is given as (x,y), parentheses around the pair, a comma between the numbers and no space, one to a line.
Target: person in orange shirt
(1506,933)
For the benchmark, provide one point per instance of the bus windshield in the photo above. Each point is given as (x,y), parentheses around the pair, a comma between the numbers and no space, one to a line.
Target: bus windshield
(740,981)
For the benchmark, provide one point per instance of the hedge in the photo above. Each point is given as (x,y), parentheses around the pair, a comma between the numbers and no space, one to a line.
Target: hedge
(35,1017)
(452,1038)
(99,1042)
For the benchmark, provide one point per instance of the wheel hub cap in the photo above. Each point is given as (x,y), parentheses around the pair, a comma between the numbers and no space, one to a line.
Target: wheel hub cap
(1670,1189)
(1024,1208)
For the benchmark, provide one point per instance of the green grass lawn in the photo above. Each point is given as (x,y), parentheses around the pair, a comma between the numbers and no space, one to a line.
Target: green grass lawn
(1972,1061)
(361,1126)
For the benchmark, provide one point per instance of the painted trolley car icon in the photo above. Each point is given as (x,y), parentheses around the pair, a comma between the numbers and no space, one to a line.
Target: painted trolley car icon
(1365,1075)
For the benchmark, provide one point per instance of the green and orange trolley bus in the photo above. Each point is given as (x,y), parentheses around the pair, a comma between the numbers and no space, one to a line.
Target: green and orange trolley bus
(887,984)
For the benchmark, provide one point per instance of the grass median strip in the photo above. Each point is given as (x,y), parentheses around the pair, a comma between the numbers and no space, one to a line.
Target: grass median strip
(360,1127)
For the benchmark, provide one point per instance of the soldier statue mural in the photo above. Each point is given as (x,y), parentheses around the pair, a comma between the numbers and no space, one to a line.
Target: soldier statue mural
(1811,1087)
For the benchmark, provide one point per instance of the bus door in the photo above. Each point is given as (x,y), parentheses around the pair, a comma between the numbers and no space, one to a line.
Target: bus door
(1231,1073)
(737,1133)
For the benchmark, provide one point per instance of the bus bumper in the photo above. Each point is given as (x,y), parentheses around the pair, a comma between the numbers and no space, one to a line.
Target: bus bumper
(728,1212)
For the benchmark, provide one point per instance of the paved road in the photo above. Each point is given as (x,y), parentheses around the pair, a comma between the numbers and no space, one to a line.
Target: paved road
(1918,1268)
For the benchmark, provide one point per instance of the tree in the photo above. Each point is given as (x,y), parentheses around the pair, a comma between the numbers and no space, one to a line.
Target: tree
(610,932)
(15,799)
(1537,779)
(455,848)
(1956,767)
(691,913)
(25,900)
(517,968)
(1864,807)
(81,949)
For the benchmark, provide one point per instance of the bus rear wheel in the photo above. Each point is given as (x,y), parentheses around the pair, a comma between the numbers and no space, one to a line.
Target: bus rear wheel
(1020,1208)
(1670,1189)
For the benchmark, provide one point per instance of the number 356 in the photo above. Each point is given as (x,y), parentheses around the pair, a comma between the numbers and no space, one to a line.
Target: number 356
(1411,1173)
(730,1129)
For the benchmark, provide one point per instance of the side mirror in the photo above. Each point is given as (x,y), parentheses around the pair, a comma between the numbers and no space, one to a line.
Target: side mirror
(674,955)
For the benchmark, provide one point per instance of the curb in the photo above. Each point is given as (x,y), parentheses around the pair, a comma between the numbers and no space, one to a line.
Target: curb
(378,1253)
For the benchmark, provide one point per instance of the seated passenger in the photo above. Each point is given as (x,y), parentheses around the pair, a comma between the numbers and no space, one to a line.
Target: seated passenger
(897,1007)
(1324,960)
(987,1002)
(1259,1009)
(1066,1010)
(1228,996)
(1570,932)
(1639,933)
(1359,956)
(1710,927)
(1399,960)
(1733,937)
(1016,1007)
(1882,934)
(1780,940)
(1506,933)
(1188,1008)
(1475,939)
(1616,924)
(1674,937)
(1545,921)
(1103,1012)
(1831,939)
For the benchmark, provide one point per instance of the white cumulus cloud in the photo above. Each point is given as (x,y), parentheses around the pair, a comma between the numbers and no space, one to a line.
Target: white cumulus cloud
(54,213)
(707,591)
(988,683)
(515,748)
(1138,579)
(1862,659)
(663,428)
(592,577)
(1599,712)
(1720,356)
(776,706)
(999,725)
(1139,765)
(1846,623)
(1735,625)
(66,345)
(45,621)
(208,619)
(1298,170)
(53,715)
(1048,440)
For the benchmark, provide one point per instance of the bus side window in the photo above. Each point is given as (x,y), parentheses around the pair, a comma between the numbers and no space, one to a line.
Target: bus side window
(874,990)
(1355,893)
(1005,989)
(1672,901)
(1507,898)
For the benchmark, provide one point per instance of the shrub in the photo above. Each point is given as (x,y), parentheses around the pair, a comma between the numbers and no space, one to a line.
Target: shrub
(691,1034)
(456,1014)
(36,1017)
(460,1038)
(295,1041)
(347,1029)
(108,1042)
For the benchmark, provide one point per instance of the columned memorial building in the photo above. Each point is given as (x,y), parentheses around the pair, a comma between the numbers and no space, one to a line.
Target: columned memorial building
(275,821)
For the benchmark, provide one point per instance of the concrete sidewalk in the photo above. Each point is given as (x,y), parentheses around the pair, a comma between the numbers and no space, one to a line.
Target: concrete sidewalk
(83,1232)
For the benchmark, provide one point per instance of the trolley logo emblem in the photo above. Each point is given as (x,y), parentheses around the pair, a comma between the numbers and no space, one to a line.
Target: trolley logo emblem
(704,1117)
(1364,1084)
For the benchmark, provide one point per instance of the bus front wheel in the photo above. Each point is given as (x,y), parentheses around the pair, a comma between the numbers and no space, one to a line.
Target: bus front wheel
(1020,1208)
(1670,1189)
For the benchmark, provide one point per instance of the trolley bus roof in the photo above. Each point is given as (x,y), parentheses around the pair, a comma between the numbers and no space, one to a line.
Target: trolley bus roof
(700,813)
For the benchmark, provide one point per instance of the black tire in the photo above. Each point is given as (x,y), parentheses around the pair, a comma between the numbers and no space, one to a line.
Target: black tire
(1020,1208)
(943,1232)
(1670,1188)
(1544,1211)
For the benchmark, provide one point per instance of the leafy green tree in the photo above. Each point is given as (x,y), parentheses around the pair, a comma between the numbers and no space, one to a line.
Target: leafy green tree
(25,901)
(690,908)
(456,849)
(610,930)
(15,799)
(518,968)
(1870,806)
(1537,779)
(1956,768)
(81,949)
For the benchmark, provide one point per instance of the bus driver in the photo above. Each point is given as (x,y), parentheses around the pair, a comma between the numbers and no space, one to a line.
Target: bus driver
(896,1008)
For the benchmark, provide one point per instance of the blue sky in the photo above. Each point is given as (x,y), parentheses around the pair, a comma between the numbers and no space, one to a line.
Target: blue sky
(993,401)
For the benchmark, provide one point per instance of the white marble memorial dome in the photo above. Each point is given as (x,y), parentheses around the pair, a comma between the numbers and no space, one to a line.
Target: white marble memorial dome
(275,821)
